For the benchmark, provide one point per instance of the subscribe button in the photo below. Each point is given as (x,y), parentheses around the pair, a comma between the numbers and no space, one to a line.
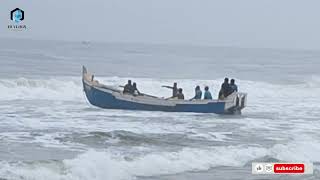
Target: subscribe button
(282,168)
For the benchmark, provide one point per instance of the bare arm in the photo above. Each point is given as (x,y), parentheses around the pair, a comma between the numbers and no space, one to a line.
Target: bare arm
(168,87)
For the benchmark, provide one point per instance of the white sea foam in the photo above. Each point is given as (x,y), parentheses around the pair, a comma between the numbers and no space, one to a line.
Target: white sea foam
(52,89)
(277,102)
(212,136)
(108,165)
(302,149)
(114,165)
(70,88)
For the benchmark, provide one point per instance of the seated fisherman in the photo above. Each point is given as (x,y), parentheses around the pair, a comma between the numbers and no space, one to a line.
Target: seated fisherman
(180,94)
(128,88)
(225,89)
(207,94)
(233,86)
(198,93)
(135,89)
(174,89)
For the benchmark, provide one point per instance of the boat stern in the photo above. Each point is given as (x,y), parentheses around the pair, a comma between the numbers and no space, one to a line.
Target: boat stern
(235,102)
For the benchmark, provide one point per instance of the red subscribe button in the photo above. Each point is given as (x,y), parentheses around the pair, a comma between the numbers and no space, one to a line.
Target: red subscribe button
(288,168)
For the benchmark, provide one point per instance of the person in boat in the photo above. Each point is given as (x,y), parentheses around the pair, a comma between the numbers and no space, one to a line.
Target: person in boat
(135,89)
(174,89)
(225,89)
(207,94)
(180,94)
(128,88)
(198,93)
(233,86)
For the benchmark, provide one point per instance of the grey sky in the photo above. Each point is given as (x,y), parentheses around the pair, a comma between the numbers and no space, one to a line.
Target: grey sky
(243,23)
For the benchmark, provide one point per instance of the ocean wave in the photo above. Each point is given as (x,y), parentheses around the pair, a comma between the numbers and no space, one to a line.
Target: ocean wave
(108,165)
(51,89)
(98,165)
(70,88)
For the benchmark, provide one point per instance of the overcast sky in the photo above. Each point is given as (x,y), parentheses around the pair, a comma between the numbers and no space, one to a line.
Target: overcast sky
(242,23)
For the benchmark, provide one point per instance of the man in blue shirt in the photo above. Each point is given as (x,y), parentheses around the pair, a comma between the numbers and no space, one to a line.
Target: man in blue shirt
(207,94)
(233,86)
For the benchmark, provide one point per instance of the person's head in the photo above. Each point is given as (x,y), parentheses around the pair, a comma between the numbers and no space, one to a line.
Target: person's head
(134,84)
(226,80)
(232,81)
(197,87)
(180,90)
(129,82)
(175,84)
(206,88)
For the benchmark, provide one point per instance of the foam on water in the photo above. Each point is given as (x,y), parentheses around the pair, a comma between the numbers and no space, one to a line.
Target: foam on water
(99,165)
(70,88)
(52,89)
(109,165)
(280,112)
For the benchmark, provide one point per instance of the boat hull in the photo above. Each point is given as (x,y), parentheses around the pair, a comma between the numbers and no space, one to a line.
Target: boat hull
(106,97)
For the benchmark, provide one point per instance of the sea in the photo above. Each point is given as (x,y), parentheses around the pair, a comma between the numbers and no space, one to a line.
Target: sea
(48,129)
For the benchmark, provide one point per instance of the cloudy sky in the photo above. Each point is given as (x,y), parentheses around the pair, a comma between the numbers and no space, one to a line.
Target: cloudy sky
(242,23)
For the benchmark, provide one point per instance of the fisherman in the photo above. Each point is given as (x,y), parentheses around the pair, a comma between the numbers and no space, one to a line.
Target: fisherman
(180,94)
(128,88)
(174,89)
(198,93)
(233,86)
(207,94)
(225,89)
(135,89)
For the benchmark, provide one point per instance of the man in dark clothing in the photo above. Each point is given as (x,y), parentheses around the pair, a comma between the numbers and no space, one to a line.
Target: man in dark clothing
(225,89)
(174,89)
(128,88)
(180,94)
(233,86)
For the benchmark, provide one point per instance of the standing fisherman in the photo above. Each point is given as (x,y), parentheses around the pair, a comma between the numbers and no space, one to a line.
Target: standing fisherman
(174,89)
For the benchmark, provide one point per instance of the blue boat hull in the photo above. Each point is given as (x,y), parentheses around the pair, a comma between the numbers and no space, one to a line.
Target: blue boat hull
(106,97)
(107,100)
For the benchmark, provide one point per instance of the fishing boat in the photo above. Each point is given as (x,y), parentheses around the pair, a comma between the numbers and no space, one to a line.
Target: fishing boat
(109,97)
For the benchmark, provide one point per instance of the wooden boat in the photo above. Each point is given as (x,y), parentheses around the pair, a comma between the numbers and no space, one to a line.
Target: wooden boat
(109,97)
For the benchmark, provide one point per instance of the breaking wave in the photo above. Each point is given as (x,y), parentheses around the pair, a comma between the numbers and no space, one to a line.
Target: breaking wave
(51,89)
(70,88)
(107,165)
(100,165)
